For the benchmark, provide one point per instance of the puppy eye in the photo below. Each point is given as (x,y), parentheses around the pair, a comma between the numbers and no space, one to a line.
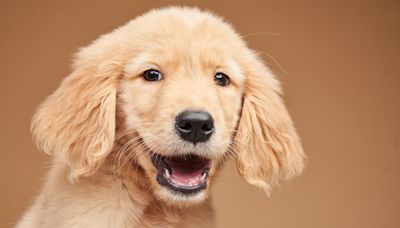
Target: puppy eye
(221,79)
(152,75)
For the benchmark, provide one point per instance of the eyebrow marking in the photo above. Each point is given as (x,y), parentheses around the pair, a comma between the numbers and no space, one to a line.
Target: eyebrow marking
(235,70)
(139,63)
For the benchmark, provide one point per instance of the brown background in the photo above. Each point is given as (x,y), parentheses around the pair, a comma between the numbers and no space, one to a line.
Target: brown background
(340,66)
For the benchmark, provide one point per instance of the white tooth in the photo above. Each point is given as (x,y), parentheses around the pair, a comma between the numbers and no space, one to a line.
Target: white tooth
(203,177)
(166,173)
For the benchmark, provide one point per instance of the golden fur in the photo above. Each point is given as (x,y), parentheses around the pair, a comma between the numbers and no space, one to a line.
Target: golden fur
(103,120)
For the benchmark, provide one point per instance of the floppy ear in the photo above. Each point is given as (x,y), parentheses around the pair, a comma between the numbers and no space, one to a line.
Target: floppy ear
(76,124)
(268,147)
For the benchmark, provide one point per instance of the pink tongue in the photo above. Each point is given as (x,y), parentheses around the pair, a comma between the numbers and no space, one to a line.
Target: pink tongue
(184,178)
(187,172)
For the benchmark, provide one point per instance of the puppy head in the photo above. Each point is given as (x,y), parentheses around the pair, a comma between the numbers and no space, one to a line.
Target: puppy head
(192,94)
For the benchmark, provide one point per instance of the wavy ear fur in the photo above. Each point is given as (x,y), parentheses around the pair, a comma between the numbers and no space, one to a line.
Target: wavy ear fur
(268,146)
(76,124)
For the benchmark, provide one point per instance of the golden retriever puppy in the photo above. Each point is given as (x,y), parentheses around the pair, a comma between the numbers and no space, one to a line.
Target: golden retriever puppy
(148,116)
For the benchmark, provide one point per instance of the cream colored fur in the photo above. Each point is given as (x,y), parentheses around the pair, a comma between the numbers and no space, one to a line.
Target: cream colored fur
(102,121)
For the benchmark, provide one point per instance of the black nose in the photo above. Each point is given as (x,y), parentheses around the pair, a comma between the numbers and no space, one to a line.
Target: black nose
(194,127)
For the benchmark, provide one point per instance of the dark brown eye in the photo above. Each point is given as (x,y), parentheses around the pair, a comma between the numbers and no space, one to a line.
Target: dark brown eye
(152,75)
(221,79)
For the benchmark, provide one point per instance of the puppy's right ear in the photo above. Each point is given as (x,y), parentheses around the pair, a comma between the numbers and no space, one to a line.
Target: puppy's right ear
(267,144)
(76,124)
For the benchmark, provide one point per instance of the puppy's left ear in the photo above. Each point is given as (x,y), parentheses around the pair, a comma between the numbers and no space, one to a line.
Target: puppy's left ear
(76,124)
(268,147)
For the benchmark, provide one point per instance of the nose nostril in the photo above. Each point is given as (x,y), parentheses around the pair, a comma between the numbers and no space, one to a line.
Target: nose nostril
(206,128)
(185,126)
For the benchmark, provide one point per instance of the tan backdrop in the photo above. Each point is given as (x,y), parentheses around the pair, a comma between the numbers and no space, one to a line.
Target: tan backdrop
(340,66)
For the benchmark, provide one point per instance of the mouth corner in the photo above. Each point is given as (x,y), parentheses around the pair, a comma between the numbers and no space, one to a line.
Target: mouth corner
(183,174)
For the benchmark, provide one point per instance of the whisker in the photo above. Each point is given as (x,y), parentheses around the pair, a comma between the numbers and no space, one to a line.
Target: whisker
(274,60)
(260,33)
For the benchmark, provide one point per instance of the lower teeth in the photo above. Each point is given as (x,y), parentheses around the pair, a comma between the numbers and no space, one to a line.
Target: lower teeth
(204,176)
(166,173)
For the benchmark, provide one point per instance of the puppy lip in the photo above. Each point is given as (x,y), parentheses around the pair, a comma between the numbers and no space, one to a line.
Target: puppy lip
(184,174)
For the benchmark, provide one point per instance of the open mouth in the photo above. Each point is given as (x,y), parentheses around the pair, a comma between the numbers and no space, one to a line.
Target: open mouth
(184,174)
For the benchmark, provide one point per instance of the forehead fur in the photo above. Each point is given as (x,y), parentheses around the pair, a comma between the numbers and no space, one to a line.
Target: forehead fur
(177,28)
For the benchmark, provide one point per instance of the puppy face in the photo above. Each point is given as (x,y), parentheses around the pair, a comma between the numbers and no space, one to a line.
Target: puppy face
(191,94)
(183,95)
